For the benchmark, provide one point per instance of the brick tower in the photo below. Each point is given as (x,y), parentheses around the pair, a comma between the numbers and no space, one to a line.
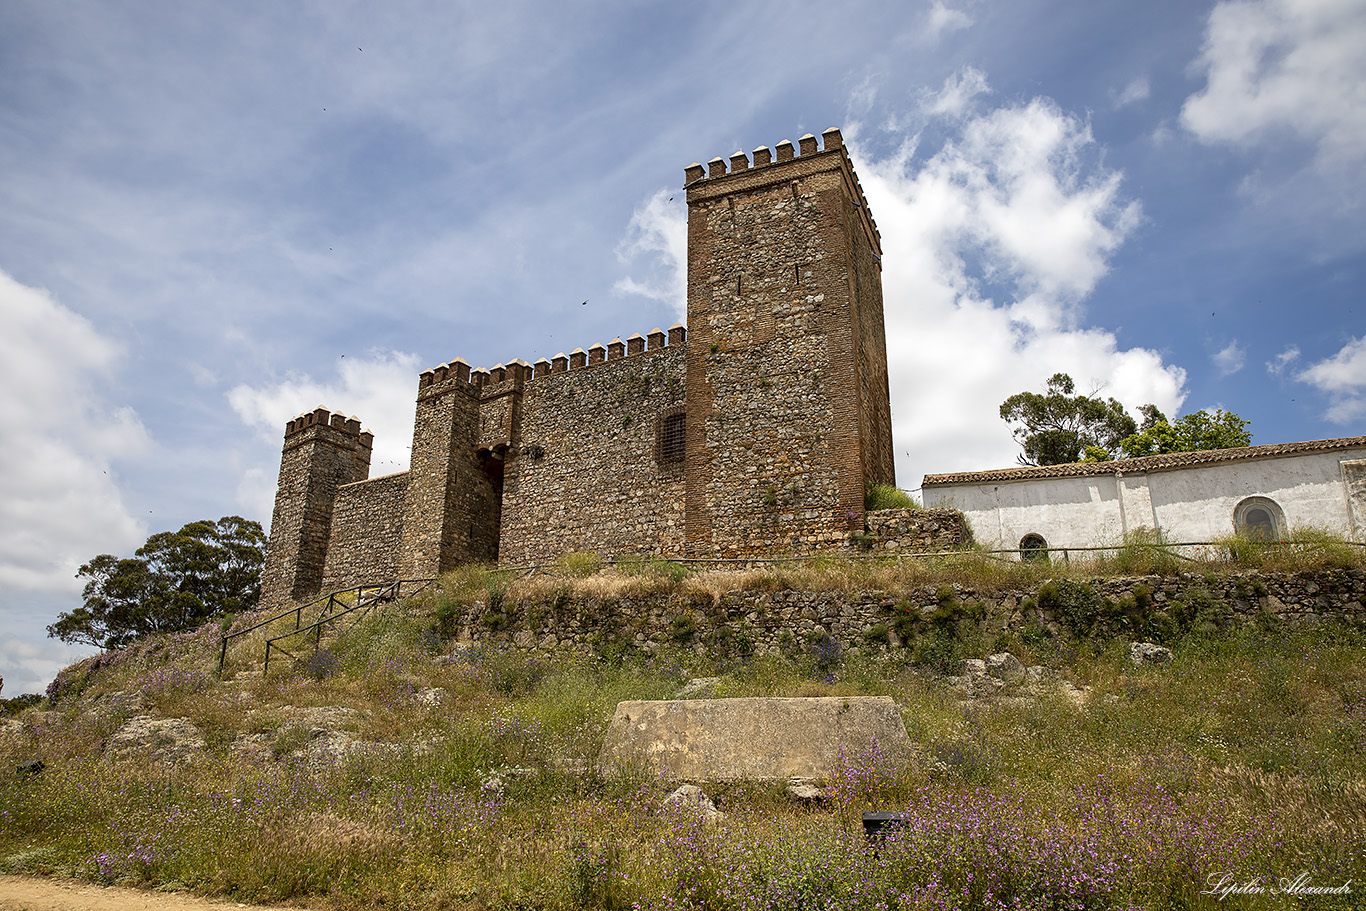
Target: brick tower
(322,452)
(788,411)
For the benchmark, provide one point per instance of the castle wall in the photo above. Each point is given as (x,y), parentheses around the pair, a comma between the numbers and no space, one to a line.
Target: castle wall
(775,404)
(367,524)
(875,398)
(586,472)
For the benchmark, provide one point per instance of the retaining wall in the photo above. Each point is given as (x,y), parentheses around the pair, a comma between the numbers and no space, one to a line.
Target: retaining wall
(757,622)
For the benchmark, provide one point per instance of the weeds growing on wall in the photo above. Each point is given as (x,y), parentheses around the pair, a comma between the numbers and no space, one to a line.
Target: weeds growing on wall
(1145,552)
(887,496)
(1307,549)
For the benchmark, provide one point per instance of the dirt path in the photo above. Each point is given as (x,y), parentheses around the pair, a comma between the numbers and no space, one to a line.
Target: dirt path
(28,893)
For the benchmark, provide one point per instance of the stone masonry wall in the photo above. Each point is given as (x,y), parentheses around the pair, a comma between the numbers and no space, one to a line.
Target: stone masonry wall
(925,530)
(367,524)
(757,622)
(775,435)
(586,472)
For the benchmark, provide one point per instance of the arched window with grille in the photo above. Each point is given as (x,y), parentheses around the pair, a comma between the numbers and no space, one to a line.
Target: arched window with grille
(1034,548)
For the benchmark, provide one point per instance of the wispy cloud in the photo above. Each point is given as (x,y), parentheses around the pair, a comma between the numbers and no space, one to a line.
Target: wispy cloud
(943,19)
(1276,366)
(1137,90)
(657,239)
(1230,359)
(957,94)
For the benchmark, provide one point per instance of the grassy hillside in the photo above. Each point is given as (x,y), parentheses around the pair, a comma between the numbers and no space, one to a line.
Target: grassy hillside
(395,767)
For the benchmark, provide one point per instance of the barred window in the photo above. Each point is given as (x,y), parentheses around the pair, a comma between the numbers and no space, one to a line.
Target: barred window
(672,437)
(1034,548)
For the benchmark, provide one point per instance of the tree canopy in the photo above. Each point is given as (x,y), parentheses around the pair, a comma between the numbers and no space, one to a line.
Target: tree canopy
(176,580)
(1217,429)
(1056,427)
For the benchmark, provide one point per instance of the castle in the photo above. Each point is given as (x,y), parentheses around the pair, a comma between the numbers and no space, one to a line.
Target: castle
(755,429)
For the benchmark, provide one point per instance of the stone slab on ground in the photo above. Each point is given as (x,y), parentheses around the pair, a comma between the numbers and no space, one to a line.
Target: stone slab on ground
(752,738)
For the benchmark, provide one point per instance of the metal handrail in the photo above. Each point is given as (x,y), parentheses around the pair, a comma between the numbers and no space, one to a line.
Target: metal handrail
(330,599)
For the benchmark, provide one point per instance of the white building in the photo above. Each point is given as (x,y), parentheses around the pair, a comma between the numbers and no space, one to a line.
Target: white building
(1190,496)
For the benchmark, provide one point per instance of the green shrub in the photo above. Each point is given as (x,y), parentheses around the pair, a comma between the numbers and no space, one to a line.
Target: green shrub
(878,634)
(887,496)
(682,629)
(447,613)
(905,619)
(1075,603)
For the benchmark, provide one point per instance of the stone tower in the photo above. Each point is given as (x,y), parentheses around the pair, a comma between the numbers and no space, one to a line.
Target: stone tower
(322,451)
(788,413)
(451,511)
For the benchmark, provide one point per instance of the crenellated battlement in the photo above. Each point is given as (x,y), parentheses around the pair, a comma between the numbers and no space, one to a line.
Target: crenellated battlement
(321,417)
(720,177)
(782,152)
(519,371)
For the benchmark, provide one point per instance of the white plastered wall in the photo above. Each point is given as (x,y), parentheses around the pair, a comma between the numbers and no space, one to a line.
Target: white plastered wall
(1193,503)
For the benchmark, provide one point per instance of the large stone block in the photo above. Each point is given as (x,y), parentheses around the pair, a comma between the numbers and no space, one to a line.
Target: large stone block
(752,738)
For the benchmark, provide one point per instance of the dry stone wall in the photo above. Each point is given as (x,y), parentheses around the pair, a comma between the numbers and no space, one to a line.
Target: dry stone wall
(797,622)
(924,530)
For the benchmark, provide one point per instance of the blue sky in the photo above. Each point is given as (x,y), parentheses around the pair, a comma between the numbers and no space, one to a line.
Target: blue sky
(215,216)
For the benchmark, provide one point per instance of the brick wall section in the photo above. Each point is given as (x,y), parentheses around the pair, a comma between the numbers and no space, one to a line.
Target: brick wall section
(925,530)
(789,621)
(367,525)
(781,415)
(584,473)
(322,451)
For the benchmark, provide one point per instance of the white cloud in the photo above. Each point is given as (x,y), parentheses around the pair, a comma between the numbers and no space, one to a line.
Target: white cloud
(1230,359)
(1276,366)
(1291,66)
(59,501)
(1137,90)
(379,388)
(943,20)
(957,94)
(1343,378)
(658,233)
(1008,201)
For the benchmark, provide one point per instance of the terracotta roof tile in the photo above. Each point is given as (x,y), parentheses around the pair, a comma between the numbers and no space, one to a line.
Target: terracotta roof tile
(1165,462)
